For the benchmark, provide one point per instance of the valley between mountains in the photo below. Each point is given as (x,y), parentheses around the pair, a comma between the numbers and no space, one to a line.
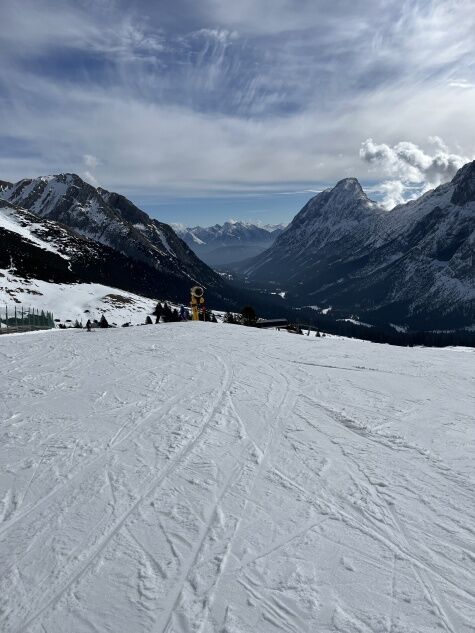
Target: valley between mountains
(342,256)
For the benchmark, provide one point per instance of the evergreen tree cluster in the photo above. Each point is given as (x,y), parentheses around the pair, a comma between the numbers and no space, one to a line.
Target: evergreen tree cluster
(374,334)
(392,337)
(207,315)
(165,314)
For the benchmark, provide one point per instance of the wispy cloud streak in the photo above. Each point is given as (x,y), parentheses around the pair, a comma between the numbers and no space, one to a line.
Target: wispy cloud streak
(220,96)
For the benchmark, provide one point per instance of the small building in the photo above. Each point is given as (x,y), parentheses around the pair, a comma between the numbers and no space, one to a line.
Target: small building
(272,323)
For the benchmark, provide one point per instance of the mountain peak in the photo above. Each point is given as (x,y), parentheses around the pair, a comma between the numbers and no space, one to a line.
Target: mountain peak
(348,184)
(330,216)
(348,199)
(65,177)
(349,190)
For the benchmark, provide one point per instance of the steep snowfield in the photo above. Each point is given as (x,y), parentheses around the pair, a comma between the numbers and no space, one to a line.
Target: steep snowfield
(199,477)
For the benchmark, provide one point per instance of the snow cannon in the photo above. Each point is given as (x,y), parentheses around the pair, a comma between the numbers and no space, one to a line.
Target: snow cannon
(197,302)
(197,291)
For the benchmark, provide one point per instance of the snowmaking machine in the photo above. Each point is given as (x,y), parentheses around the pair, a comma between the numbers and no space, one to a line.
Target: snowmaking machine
(197,302)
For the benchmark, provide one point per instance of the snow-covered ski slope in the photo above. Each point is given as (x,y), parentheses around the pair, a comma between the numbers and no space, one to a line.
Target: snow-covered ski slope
(80,301)
(209,478)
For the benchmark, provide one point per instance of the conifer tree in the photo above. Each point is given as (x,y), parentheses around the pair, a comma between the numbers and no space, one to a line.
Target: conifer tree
(158,311)
(166,313)
(248,316)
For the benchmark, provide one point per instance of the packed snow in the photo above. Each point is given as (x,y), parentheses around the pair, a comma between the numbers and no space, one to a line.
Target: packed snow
(214,478)
(71,302)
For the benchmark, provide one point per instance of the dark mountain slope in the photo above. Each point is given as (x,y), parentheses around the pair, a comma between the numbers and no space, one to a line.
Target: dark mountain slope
(114,222)
(411,266)
(49,251)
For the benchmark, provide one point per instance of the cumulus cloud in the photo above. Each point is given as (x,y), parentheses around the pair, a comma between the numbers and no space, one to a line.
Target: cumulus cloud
(393,192)
(408,164)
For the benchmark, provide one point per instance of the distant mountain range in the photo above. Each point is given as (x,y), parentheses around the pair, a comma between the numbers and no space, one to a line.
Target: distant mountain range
(411,266)
(231,242)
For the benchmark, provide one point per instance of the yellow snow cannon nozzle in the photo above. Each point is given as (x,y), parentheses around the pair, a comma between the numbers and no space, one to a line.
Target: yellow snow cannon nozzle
(197,299)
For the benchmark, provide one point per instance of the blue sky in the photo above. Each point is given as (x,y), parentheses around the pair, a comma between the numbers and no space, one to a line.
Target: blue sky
(202,111)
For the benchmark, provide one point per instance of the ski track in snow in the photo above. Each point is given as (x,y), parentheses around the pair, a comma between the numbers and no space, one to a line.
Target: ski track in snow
(201,478)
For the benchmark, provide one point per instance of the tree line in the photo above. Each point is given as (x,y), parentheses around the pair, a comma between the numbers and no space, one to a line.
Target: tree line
(373,334)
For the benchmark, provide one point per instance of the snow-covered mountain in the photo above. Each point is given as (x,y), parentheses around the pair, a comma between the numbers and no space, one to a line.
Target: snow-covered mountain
(44,266)
(412,265)
(37,254)
(131,250)
(98,237)
(230,242)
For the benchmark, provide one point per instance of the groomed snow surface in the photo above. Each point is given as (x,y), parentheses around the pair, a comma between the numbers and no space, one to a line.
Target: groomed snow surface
(196,477)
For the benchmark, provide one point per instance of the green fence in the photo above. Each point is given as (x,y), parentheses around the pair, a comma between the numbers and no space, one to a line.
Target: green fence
(21,319)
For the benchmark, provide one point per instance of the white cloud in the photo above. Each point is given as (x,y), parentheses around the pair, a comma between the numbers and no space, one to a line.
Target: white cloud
(253,96)
(410,163)
(462,83)
(178,150)
(90,161)
(221,35)
(407,164)
(90,178)
(279,16)
(43,27)
(439,143)
(393,193)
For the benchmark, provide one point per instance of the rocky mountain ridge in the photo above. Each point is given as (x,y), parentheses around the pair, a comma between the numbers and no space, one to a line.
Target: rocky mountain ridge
(411,266)
(110,220)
